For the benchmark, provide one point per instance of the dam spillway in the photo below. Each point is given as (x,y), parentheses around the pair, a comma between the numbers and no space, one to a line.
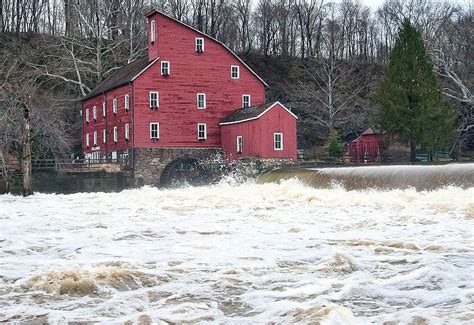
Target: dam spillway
(378,177)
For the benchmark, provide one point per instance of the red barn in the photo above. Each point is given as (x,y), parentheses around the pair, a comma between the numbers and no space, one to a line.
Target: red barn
(366,148)
(273,125)
(179,100)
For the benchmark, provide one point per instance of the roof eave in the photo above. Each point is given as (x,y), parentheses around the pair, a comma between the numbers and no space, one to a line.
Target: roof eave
(260,115)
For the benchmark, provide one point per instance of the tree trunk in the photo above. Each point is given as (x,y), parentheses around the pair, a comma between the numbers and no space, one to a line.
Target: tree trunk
(4,171)
(412,151)
(26,161)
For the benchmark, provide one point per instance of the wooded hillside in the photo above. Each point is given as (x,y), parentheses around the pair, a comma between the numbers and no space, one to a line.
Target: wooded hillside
(324,59)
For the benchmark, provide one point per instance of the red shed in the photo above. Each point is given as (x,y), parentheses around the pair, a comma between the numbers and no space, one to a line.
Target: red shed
(366,148)
(264,131)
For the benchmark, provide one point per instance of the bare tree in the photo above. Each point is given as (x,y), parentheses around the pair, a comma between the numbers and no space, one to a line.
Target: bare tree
(328,91)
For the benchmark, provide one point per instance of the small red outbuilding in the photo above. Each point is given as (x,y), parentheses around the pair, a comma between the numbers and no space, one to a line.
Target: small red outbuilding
(264,131)
(366,148)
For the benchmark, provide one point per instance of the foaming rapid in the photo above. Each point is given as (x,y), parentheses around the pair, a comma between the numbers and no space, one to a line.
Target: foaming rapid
(248,253)
(380,177)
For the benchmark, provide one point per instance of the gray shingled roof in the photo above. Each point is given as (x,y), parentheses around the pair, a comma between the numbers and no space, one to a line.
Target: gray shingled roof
(120,77)
(246,113)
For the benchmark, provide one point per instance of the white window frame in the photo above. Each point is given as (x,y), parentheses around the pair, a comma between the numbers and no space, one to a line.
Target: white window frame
(232,71)
(202,44)
(88,144)
(169,68)
(127,131)
(87,115)
(95,138)
(152,124)
(152,31)
(114,105)
(205,131)
(275,141)
(127,102)
(104,136)
(240,144)
(115,134)
(94,112)
(243,100)
(103,109)
(204,101)
(157,99)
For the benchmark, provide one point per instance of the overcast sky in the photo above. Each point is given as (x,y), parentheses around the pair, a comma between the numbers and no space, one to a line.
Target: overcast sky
(374,4)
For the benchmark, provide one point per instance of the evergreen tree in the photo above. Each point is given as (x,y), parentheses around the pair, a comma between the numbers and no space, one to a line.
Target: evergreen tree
(335,147)
(410,96)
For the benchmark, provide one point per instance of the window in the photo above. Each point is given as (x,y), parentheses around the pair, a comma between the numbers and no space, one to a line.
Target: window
(235,72)
(246,101)
(239,144)
(201,101)
(94,113)
(87,140)
(126,102)
(115,134)
(154,99)
(104,135)
(165,68)
(87,115)
(95,138)
(114,105)
(152,31)
(199,44)
(202,134)
(154,131)
(278,141)
(103,109)
(127,131)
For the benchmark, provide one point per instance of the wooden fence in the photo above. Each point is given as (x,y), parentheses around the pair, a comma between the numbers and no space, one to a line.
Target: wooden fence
(69,166)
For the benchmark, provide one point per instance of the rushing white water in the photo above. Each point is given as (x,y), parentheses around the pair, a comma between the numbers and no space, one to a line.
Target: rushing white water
(239,254)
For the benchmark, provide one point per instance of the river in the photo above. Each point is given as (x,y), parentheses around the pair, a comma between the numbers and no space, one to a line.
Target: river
(239,253)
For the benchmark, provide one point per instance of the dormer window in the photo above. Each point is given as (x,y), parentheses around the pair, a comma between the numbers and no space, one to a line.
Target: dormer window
(152,32)
(199,44)
(245,101)
(165,68)
(234,72)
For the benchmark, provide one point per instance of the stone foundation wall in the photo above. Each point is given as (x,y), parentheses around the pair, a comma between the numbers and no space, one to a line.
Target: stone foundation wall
(150,162)
(68,183)
(252,167)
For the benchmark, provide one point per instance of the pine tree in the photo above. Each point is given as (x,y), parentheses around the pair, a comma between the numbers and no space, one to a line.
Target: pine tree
(335,147)
(410,96)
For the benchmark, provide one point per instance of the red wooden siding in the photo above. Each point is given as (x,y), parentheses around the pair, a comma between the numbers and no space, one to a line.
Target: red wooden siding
(257,136)
(191,73)
(365,148)
(119,120)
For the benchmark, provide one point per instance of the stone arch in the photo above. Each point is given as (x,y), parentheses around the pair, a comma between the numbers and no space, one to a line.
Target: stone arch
(185,170)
